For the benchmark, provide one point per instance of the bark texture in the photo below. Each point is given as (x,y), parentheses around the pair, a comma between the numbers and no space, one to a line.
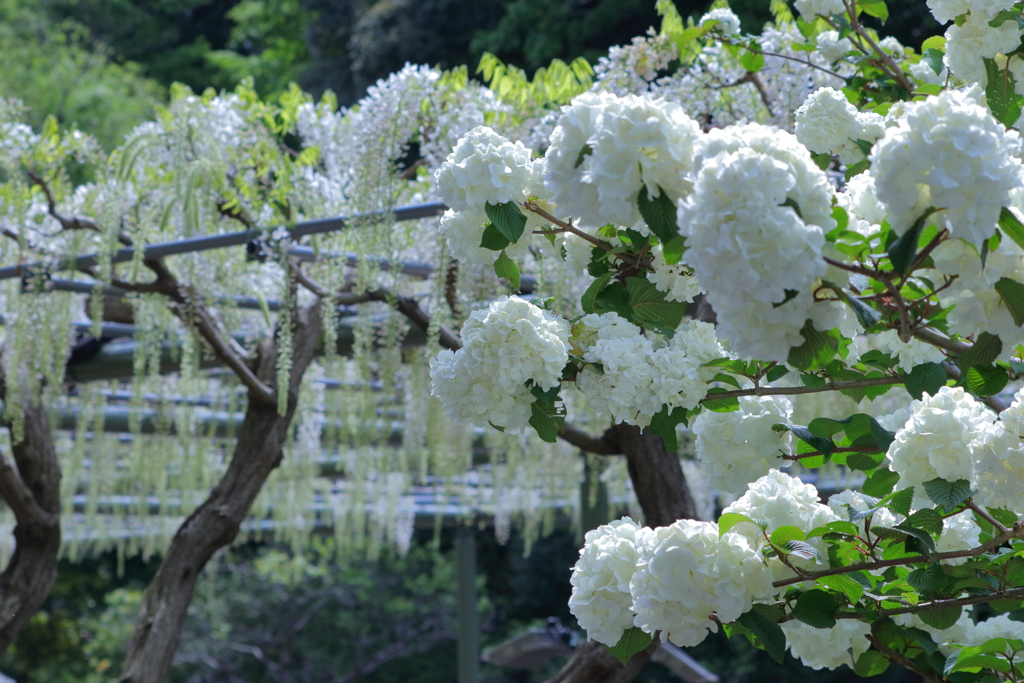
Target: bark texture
(31,488)
(664,497)
(261,439)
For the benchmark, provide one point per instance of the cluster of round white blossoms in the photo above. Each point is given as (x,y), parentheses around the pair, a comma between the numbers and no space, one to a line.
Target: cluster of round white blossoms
(484,168)
(810,9)
(505,345)
(606,148)
(463,231)
(750,249)
(637,379)
(831,46)
(969,44)
(827,648)
(947,152)
(729,23)
(948,10)
(939,438)
(858,501)
(959,532)
(911,353)
(740,447)
(827,123)
(677,280)
(999,458)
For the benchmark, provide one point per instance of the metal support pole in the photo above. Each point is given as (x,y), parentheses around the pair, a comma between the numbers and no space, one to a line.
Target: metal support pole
(469,632)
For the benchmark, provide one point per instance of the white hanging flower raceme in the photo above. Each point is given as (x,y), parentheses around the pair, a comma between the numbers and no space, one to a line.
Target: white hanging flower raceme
(947,152)
(601,600)
(832,47)
(688,573)
(827,648)
(730,23)
(967,45)
(828,124)
(810,9)
(504,346)
(484,168)
(911,353)
(606,148)
(938,438)
(959,532)
(740,447)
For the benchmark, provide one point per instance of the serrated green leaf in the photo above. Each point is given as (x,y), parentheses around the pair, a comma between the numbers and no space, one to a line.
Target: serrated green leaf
(934,59)
(941,618)
(986,380)
(1011,225)
(752,60)
(802,550)
(729,404)
(508,219)
(1012,294)
(664,425)
(926,378)
(547,426)
(823,160)
(816,608)
(1000,93)
(786,533)
(816,442)
(633,640)
(904,250)
(492,239)
(838,526)
(870,663)
(614,298)
(730,519)
(673,249)
(649,305)
(875,8)
(589,299)
(659,214)
(921,536)
(881,483)
(857,169)
(845,585)
(816,351)
(505,267)
(866,315)
(930,578)
(763,622)
(948,494)
(901,501)
(984,351)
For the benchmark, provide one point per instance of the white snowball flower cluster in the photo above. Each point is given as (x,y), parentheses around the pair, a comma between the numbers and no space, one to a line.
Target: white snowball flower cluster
(950,153)
(827,648)
(636,379)
(948,10)
(832,47)
(827,123)
(739,447)
(810,9)
(999,470)
(959,532)
(689,574)
(676,280)
(484,168)
(601,600)
(606,148)
(862,201)
(748,249)
(911,353)
(1000,626)
(730,23)
(859,502)
(975,40)
(781,500)
(938,439)
(505,345)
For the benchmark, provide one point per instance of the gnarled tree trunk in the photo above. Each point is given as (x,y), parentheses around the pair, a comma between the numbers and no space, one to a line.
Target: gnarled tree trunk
(664,497)
(261,439)
(31,488)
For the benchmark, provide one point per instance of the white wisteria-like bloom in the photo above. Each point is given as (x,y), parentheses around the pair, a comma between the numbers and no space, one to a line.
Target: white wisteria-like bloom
(780,500)
(911,353)
(748,248)
(463,231)
(730,23)
(959,532)
(832,47)
(601,600)
(827,648)
(740,447)
(947,152)
(810,9)
(938,438)
(606,148)
(484,168)
(967,45)
(504,345)
(688,574)
(999,469)
(677,280)
(828,124)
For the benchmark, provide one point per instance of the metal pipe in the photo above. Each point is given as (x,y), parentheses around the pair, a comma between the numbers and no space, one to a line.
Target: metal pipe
(469,631)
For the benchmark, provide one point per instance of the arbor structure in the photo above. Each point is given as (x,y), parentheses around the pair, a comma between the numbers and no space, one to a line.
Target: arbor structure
(668,179)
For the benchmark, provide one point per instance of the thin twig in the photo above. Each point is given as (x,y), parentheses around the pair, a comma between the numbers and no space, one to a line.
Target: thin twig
(901,306)
(983,513)
(853,269)
(568,227)
(900,659)
(891,66)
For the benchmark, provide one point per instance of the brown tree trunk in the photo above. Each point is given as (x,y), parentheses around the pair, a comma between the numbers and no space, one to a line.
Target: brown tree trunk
(32,491)
(261,439)
(664,497)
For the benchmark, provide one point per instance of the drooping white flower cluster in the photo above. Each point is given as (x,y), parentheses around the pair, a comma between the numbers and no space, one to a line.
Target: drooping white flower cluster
(504,346)
(606,148)
(947,152)
(828,123)
(755,228)
(636,379)
(740,447)
(939,439)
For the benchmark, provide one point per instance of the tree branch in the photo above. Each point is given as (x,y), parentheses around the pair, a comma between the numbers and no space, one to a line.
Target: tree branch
(993,402)
(19,498)
(74,222)
(568,227)
(900,659)
(606,444)
(794,391)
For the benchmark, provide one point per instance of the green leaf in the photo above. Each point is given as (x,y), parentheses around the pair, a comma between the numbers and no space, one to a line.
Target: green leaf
(926,378)
(929,89)
(589,298)
(507,268)
(802,549)
(816,608)
(614,298)
(816,351)
(731,519)
(1003,516)
(933,58)
(866,315)
(1003,16)
(752,61)
(659,214)
(673,249)
(547,426)
(649,305)
(1002,98)
(948,494)
(784,534)
(777,372)
(823,160)
(633,640)
(919,535)
(904,250)
(882,436)
(901,501)
(585,151)
(857,168)
(816,442)
(845,585)
(941,618)
(1012,294)
(875,8)
(881,483)
(492,239)
(664,425)
(870,663)
(729,404)
(1011,225)
(986,380)
(930,578)
(984,351)
(763,622)
(508,219)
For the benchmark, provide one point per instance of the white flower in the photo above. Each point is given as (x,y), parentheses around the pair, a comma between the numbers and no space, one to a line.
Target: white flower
(677,378)
(911,353)
(894,421)
(975,40)
(606,148)
(948,10)
(505,345)
(937,440)
(810,9)
(781,500)
(947,152)
(677,281)
(827,648)
(1016,68)
(999,469)
(730,23)
(859,502)
(484,168)
(601,600)
(924,72)
(893,47)
(959,532)
(740,447)
(689,574)
(832,47)
(828,124)
(1000,626)
(463,231)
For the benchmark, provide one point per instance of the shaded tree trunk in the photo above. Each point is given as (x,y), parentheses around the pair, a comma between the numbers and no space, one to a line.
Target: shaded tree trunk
(664,497)
(31,488)
(261,439)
